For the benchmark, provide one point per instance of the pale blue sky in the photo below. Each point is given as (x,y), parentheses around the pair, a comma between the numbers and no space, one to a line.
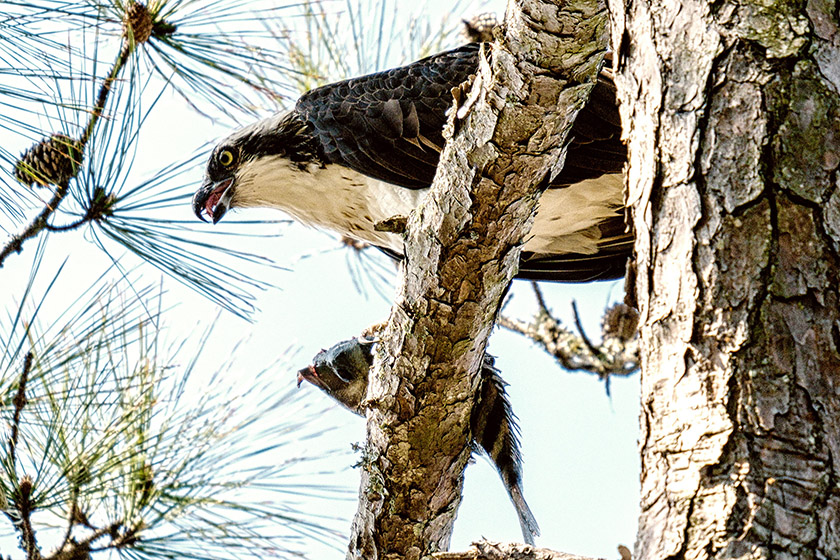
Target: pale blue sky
(581,469)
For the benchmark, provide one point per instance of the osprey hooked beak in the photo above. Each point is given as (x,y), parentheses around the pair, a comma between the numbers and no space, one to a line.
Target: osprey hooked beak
(213,198)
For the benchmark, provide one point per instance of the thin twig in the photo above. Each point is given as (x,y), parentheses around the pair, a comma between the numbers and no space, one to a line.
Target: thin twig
(15,244)
(549,334)
(24,507)
(71,521)
(19,402)
(582,333)
(614,356)
(112,530)
(67,227)
(82,549)
(127,538)
(540,298)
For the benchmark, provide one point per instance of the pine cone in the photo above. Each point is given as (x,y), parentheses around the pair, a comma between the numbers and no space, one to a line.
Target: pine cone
(139,20)
(25,488)
(53,161)
(620,321)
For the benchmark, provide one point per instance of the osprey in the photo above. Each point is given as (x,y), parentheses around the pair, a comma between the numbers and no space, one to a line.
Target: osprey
(342,372)
(357,152)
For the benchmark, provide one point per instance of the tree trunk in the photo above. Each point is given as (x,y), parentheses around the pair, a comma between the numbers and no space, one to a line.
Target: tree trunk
(461,251)
(732,115)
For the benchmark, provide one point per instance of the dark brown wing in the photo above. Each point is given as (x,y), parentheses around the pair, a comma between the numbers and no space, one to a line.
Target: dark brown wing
(389,125)
(595,147)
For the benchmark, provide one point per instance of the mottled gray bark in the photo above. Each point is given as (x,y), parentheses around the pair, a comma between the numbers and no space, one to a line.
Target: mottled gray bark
(732,115)
(461,249)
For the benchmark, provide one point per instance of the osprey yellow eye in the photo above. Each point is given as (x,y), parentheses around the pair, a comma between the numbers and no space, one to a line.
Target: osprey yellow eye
(225,158)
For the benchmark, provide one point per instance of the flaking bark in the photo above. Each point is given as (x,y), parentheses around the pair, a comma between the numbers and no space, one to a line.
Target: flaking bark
(461,251)
(732,115)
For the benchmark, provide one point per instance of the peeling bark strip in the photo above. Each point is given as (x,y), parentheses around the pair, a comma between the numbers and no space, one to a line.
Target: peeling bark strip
(733,120)
(461,251)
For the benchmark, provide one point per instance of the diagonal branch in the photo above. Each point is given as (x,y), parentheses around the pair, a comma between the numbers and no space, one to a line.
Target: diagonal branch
(462,248)
(15,244)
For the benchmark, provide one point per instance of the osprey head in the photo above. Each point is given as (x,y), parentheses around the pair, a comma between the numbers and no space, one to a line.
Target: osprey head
(237,172)
(342,372)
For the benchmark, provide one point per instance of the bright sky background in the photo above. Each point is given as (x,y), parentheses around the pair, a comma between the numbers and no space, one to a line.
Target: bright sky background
(581,470)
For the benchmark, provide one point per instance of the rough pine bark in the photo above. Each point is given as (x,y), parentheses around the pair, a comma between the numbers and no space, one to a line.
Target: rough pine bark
(461,251)
(732,116)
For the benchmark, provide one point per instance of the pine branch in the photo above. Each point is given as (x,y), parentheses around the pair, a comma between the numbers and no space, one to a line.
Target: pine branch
(15,244)
(19,402)
(57,160)
(24,509)
(104,91)
(22,503)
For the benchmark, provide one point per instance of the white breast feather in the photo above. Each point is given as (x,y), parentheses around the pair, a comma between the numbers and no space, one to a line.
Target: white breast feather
(337,198)
(566,221)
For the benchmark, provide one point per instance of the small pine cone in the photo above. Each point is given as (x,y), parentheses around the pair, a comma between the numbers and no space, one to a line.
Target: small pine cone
(73,550)
(53,161)
(620,321)
(139,20)
(25,487)
(480,28)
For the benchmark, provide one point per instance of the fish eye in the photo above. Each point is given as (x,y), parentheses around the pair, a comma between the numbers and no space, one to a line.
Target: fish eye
(225,158)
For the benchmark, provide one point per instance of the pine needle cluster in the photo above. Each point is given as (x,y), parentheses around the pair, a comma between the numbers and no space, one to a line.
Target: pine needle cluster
(114,443)
(91,111)
(111,446)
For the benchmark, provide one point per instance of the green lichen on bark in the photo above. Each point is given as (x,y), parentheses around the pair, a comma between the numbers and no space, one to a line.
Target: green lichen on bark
(807,144)
(780,27)
(743,253)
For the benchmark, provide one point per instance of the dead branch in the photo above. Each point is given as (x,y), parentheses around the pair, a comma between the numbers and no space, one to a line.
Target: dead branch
(616,354)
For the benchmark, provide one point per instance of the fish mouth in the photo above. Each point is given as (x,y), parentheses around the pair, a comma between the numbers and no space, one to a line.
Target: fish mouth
(213,199)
